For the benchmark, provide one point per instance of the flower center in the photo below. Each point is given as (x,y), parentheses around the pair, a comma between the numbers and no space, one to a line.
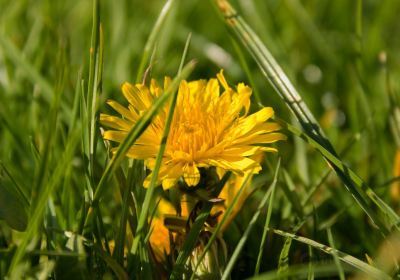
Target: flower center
(191,127)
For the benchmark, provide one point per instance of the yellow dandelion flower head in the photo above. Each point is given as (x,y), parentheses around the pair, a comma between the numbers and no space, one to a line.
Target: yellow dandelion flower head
(211,127)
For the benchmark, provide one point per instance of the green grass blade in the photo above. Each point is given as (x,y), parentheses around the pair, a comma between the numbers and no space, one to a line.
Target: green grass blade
(114,265)
(193,235)
(322,271)
(246,69)
(311,267)
(19,190)
(363,189)
(265,230)
(37,213)
(94,84)
(31,72)
(17,57)
(292,98)
(217,230)
(154,178)
(289,189)
(134,134)
(354,262)
(283,263)
(120,239)
(335,257)
(250,226)
(153,37)
(184,54)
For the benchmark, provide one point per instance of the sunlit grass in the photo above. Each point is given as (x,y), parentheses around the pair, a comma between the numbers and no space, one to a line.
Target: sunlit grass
(326,204)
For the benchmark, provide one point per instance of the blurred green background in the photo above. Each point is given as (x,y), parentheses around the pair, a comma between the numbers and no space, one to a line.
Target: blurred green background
(342,56)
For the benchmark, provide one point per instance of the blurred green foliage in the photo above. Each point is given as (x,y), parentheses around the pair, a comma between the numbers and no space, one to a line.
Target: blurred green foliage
(342,56)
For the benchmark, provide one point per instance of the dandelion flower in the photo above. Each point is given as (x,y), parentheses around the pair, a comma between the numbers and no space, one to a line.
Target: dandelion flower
(211,127)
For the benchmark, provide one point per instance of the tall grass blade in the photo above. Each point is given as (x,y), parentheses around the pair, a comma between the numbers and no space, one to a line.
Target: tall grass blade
(37,213)
(335,257)
(354,262)
(154,177)
(220,225)
(288,93)
(265,230)
(322,271)
(153,37)
(193,235)
(250,226)
(133,135)
(365,190)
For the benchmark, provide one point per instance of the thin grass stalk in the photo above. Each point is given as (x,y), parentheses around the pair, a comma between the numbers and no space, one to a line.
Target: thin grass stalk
(154,177)
(184,54)
(132,136)
(320,270)
(17,57)
(346,258)
(288,93)
(246,69)
(38,211)
(94,84)
(153,37)
(250,226)
(384,208)
(94,46)
(335,257)
(118,254)
(194,233)
(220,225)
(311,269)
(265,230)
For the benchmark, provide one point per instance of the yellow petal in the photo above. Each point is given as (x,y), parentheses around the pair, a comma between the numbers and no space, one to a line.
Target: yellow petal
(113,135)
(260,139)
(142,151)
(222,80)
(244,93)
(191,174)
(134,96)
(236,164)
(212,92)
(115,122)
(159,239)
(122,110)
(165,208)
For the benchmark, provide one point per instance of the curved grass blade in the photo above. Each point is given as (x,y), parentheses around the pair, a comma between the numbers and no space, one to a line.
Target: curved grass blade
(245,235)
(338,164)
(302,272)
(153,37)
(276,76)
(354,262)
